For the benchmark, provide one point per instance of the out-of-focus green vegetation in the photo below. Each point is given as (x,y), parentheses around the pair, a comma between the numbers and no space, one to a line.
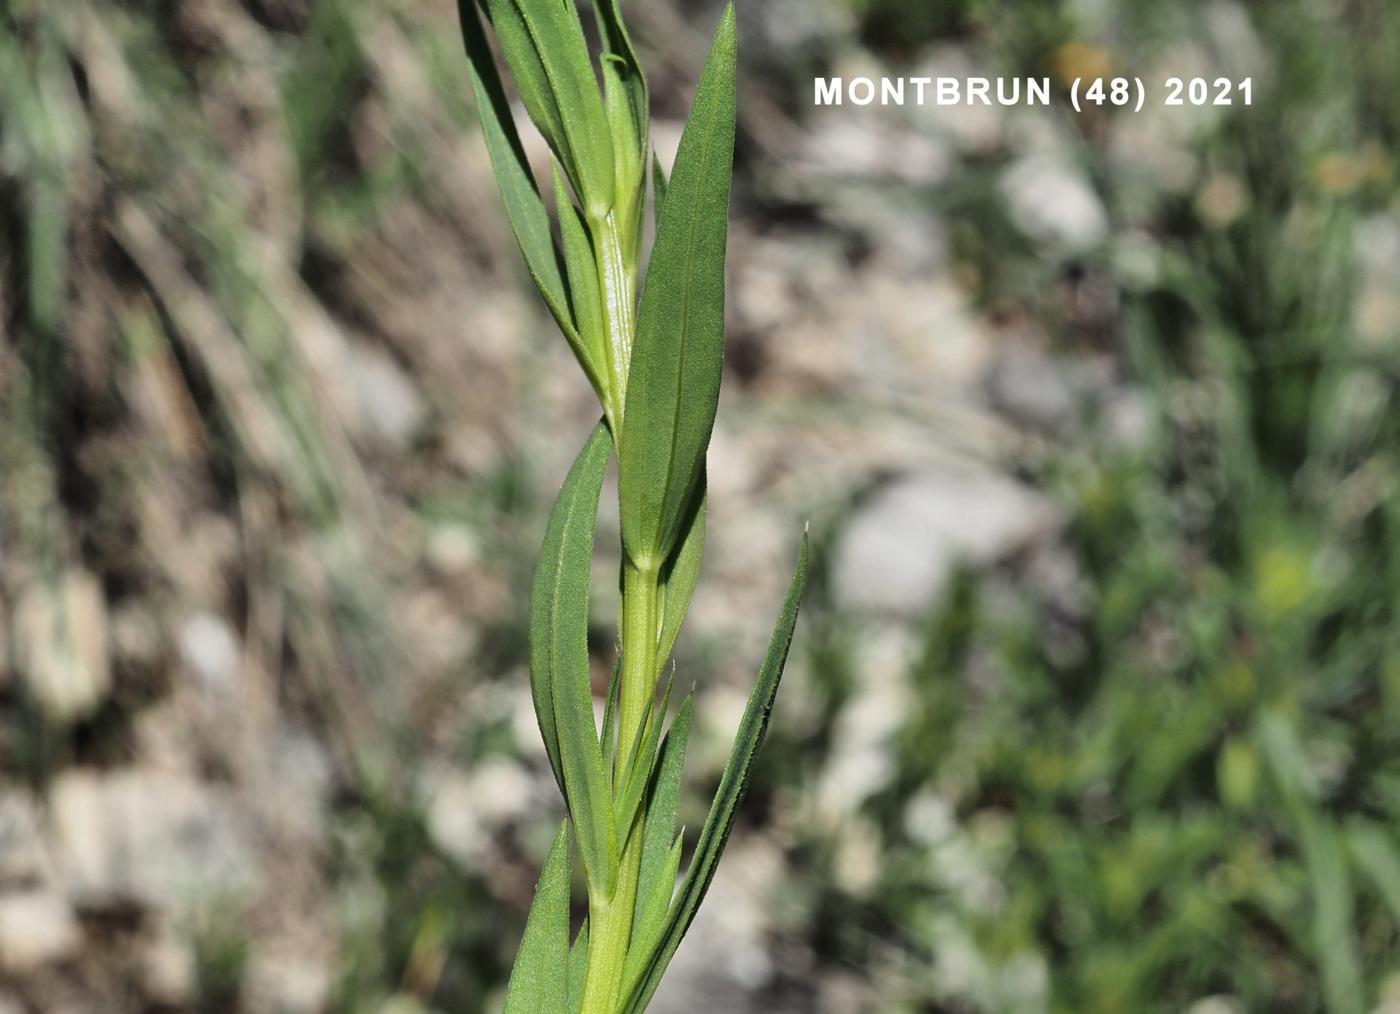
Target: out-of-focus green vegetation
(1181,775)
(1172,775)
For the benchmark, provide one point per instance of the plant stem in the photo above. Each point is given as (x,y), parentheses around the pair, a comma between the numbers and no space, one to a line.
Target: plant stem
(610,919)
(617,281)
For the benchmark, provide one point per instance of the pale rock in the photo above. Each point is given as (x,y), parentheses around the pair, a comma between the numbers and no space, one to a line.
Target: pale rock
(22,857)
(452,826)
(287,981)
(60,645)
(168,964)
(860,762)
(902,546)
(451,548)
(147,837)
(1032,389)
(36,927)
(1050,200)
(390,403)
(210,651)
(726,957)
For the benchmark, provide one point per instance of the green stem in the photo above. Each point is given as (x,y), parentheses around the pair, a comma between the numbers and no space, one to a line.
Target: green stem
(617,281)
(610,919)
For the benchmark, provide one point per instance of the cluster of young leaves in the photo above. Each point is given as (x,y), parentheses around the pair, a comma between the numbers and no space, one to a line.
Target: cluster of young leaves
(655,361)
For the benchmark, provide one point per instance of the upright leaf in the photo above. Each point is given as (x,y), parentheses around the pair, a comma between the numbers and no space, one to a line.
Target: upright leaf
(578,966)
(586,300)
(636,777)
(544,45)
(539,982)
(679,575)
(663,800)
(618,46)
(1377,854)
(525,208)
(559,671)
(678,350)
(728,796)
(658,187)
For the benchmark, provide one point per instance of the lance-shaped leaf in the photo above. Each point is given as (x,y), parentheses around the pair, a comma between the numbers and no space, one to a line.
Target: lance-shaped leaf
(539,982)
(636,773)
(586,300)
(679,575)
(679,346)
(649,919)
(629,76)
(662,803)
(625,100)
(559,671)
(544,46)
(578,966)
(525,209)
(728,796)
(658,187)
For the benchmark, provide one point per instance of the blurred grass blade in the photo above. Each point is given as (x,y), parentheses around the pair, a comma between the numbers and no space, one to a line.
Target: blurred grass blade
(539,982)
(544,45)
(525,208)
(1334,922)
(678,351)
(1333,938)
(663,801)
(728,796)
(1378,856)
(679,575)
(559,669)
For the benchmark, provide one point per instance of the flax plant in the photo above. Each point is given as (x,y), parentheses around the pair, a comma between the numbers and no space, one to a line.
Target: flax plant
(652,347)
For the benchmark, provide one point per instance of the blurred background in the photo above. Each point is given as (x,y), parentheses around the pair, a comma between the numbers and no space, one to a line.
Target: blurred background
(1095,701)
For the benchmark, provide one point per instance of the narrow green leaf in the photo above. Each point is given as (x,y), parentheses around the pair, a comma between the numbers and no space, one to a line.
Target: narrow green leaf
(586,299)
(679,575)
(639,766)
(629,162)
(525,208)
(618,45)
(1334,923)
(658,187)
(578,966)
(650,918)
(544,45)
(678,351)
(608,737)
(664,799)
(730,793)
(559,671)
(539,982)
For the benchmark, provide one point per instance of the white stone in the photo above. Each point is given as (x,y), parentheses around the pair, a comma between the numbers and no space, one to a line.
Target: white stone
(1050,200)
(36,927)
(210,651)
(61,645)
(390,403)
(903,545)
(147,837)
